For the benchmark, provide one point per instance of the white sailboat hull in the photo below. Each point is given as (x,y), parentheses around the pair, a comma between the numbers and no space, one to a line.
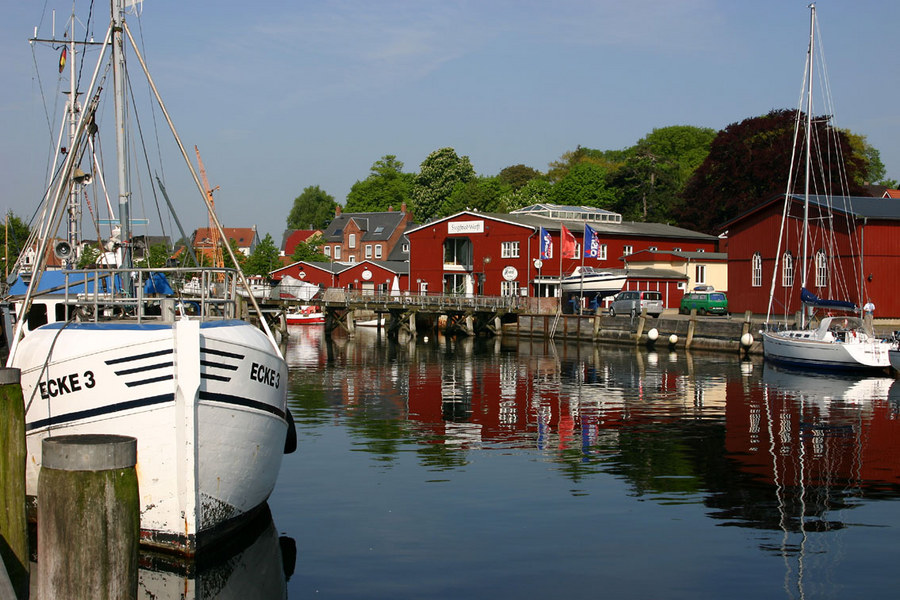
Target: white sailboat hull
(894,358)
(868,354)
(206,402)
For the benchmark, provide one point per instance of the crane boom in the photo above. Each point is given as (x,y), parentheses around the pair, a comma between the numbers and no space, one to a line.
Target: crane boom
(216,253)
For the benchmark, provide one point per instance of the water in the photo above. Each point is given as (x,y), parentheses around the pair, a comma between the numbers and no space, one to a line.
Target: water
(516,469)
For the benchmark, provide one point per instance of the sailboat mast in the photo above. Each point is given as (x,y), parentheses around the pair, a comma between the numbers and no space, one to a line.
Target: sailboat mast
(74,109)
(809,90)
(117,13)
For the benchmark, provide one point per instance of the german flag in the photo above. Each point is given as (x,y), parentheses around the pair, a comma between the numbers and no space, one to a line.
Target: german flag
(62,59)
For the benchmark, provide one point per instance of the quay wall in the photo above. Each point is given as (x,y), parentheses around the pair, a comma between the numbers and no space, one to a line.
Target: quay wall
(698,333)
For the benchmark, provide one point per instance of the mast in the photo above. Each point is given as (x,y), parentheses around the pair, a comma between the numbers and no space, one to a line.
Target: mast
(809,89)
(117,13)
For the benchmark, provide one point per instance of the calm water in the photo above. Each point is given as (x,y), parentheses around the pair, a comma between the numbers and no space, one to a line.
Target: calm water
(514,469)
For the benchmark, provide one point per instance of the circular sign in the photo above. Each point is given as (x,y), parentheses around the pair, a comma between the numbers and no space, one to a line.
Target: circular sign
(538,263)
(510,273)
(367,274)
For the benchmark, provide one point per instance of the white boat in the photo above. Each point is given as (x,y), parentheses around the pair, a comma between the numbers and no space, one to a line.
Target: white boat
(307,315)
(591,281)
(836,342)
(107,351)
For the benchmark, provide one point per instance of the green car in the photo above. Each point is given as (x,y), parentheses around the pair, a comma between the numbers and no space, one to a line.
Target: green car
(706,302)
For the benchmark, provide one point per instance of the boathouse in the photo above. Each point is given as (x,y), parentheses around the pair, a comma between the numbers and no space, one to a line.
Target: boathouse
(522,253)
(861,266)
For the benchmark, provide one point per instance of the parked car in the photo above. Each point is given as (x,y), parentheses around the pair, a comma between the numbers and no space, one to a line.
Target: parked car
(705,301)
(635,301)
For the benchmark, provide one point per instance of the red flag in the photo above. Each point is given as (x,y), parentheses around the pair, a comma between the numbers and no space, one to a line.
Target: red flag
(567,244)
(62,59)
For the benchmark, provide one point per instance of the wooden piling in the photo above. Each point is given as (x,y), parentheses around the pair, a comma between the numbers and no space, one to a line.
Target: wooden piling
(88,517)
(13,524)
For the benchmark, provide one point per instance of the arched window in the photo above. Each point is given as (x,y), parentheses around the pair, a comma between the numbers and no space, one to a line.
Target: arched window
(821,269)
(756,268)
(787,270)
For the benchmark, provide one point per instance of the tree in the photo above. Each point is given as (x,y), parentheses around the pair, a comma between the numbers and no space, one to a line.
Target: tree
(585,184)
(536,191)
(610,160)
(517,176)
(156,257)
(683,146)
(750,161)
(16,231)
(875,171)
(312,209)
(646,184)
(310,250)
(386,186)
(264,258)
(481,193)
(438,175)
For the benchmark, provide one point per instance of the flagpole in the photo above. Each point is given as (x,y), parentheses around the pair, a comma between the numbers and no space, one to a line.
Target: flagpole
(581,284)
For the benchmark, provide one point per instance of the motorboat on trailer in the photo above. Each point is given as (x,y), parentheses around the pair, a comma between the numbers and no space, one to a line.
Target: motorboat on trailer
(592,281)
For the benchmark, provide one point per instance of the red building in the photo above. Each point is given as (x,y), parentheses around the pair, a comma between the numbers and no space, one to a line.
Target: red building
(497,254)
(853,254)
(368,276)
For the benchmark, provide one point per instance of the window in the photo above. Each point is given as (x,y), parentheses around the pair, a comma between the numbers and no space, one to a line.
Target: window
(337,253)
(700,274)
(351,258)
(351,240)
(423,287)
(458,252)
(628,249)
(509,250)
(406,248)
(327,251)
(368,250)
(821,269)
(756,270)
(509,288)
(601,255)
(377,250)
(787,270)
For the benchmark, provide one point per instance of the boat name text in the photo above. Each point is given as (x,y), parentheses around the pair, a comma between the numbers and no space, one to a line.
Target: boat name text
(264,374)
(67,384)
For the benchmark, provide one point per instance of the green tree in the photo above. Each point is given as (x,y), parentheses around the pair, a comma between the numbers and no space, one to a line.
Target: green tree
(585,184)
(875,171)
(646,183)
(386,186)
(609,160)
(15,236)
(438,175)
(517,176)
(264,258)
(156,257)
(312,209)
(683,146)
(88,258)
(748,162)
(536,191)
(481,193)
(310,250)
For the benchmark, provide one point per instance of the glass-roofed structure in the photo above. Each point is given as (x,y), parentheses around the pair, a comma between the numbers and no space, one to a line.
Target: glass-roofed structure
(570,213)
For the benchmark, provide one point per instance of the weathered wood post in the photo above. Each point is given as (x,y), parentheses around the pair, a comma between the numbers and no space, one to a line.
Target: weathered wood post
(13,526)
(88,517)
(691,324)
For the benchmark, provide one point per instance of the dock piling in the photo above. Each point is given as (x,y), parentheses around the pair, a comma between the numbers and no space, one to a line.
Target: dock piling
(13,524)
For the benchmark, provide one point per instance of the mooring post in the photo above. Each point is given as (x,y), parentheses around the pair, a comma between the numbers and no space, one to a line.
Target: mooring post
(88,517)
(690,332)
(13,526)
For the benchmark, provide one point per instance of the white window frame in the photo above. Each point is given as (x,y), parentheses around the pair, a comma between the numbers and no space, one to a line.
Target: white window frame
(756,270)
(601,254)
(821,269)
(326,250)
(378,251)
(787,270)
(337,253)
(351,240)
(509,288)
(368,250)
(627,250)
(509,250)
(700,274)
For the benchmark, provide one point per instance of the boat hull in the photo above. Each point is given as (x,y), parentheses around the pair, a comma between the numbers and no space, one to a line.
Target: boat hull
(206,403)
(868,355)
(592,285)
(316,318)
(894,359)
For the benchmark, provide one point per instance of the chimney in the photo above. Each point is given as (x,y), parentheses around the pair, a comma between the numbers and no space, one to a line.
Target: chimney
(403,207)
(391,208)
(337,210)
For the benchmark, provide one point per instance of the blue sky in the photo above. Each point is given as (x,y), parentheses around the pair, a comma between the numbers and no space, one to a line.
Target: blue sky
(281,95)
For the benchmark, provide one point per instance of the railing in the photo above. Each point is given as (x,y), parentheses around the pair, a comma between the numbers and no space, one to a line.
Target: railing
(437,302)
(120,293)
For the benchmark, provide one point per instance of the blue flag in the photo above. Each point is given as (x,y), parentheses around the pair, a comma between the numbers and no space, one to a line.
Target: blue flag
(546,245)
(591,243)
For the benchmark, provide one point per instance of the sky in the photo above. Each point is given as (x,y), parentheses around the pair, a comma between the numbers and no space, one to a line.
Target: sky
(286,94)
